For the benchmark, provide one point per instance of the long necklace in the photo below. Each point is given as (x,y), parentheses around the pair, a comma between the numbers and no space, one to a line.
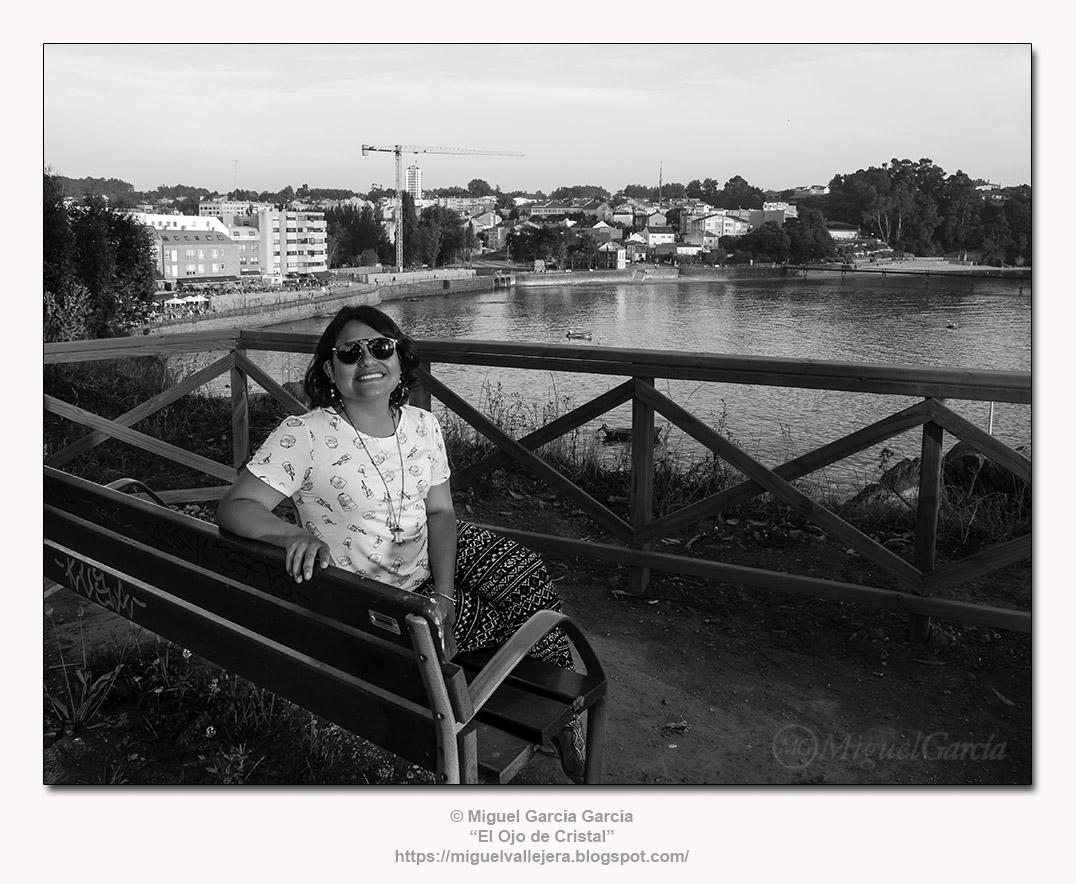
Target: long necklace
(393,520)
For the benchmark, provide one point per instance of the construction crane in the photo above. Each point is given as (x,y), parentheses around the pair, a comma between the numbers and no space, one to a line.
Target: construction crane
(399,150)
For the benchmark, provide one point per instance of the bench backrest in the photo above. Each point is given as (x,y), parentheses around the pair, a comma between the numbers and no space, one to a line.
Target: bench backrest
(348,649)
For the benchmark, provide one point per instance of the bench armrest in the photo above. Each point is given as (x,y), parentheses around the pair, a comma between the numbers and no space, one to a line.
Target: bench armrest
(502,663)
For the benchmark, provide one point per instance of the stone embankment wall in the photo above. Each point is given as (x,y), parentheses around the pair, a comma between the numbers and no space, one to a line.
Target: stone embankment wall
(269,312)
(381,277)
(436,287)
(276,307)
(590,277)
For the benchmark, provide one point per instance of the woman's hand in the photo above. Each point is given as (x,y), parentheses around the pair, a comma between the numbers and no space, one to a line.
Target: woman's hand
(303,554)
(247,510)
(450,615)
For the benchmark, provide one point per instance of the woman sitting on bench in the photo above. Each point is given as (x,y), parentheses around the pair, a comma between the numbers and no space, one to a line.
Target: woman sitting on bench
(369,474)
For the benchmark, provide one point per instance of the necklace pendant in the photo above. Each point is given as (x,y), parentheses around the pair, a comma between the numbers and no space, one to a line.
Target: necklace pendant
(395,530)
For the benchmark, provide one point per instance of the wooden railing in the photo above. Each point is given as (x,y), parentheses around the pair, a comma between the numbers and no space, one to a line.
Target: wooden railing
(920,580)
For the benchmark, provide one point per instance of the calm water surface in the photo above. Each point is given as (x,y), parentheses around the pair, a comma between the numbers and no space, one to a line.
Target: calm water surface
(899,321)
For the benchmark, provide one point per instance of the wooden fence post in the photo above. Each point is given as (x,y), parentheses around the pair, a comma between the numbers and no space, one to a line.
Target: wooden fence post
(420,396)
(240,417)
(642,481)
(928,507)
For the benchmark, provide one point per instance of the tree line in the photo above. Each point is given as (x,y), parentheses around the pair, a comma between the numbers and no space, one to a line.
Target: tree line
(915,207)
(99,268)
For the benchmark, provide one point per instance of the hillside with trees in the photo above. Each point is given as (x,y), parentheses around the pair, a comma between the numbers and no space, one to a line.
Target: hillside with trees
(915,207)
(912,206)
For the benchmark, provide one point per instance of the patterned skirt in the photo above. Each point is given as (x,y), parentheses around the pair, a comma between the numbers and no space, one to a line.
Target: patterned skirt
(499,585)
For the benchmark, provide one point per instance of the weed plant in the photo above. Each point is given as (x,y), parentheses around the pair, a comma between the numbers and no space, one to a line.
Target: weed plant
(81,690)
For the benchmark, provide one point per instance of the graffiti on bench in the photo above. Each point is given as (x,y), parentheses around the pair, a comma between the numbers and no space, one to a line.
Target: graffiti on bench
(98,586)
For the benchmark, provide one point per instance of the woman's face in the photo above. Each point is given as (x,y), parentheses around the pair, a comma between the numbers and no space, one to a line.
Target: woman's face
(369,379)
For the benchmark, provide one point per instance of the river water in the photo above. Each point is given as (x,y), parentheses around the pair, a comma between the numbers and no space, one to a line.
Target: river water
(896,320)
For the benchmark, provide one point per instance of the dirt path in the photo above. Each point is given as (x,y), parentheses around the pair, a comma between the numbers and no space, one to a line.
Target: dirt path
(712,684)
(697,701)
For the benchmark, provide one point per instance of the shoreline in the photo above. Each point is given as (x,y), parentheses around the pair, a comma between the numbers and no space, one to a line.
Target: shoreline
(273,310)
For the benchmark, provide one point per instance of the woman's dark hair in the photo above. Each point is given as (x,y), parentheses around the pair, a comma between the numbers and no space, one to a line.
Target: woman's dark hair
(319,387)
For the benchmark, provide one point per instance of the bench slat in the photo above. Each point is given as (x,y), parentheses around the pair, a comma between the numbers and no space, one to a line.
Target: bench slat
(563,685)
(315,686)
(387,665)
(500,755)
(334,593)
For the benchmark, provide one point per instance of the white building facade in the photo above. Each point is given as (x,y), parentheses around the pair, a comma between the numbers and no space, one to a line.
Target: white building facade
(413,181)
(287,243)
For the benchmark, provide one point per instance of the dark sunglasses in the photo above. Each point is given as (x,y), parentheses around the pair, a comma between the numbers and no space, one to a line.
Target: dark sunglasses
(351,352)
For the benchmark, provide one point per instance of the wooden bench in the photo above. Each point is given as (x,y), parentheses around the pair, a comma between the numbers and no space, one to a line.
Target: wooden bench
(372,658)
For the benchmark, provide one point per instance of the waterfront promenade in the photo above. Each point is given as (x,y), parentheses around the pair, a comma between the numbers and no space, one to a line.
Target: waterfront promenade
(273,306)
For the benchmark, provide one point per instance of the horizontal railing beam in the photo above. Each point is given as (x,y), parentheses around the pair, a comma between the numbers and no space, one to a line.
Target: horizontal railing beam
(145,345)
(756,578)
(818,374)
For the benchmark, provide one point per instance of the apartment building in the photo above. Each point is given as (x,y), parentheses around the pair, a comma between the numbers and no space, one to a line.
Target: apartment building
(758,217)
(161,221)
(248,246)
(715,224)
(294,243)
(413,181)
(288,242)
(790,210)
(658,235)
(190,248)
(225,208)
(195,256)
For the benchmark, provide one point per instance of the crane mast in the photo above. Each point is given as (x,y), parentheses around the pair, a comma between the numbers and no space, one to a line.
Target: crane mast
(399,150)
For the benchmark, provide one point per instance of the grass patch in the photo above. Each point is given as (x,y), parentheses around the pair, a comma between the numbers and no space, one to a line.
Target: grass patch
(168,716)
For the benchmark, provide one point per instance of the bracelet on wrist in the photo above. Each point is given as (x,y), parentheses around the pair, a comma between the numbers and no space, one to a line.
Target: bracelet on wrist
(442,595)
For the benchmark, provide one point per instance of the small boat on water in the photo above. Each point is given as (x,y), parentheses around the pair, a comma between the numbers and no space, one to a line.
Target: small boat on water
(579,335)
(623,434)
(951,325)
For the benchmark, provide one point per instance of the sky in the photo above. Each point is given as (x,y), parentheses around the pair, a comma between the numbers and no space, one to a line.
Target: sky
(261,117)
